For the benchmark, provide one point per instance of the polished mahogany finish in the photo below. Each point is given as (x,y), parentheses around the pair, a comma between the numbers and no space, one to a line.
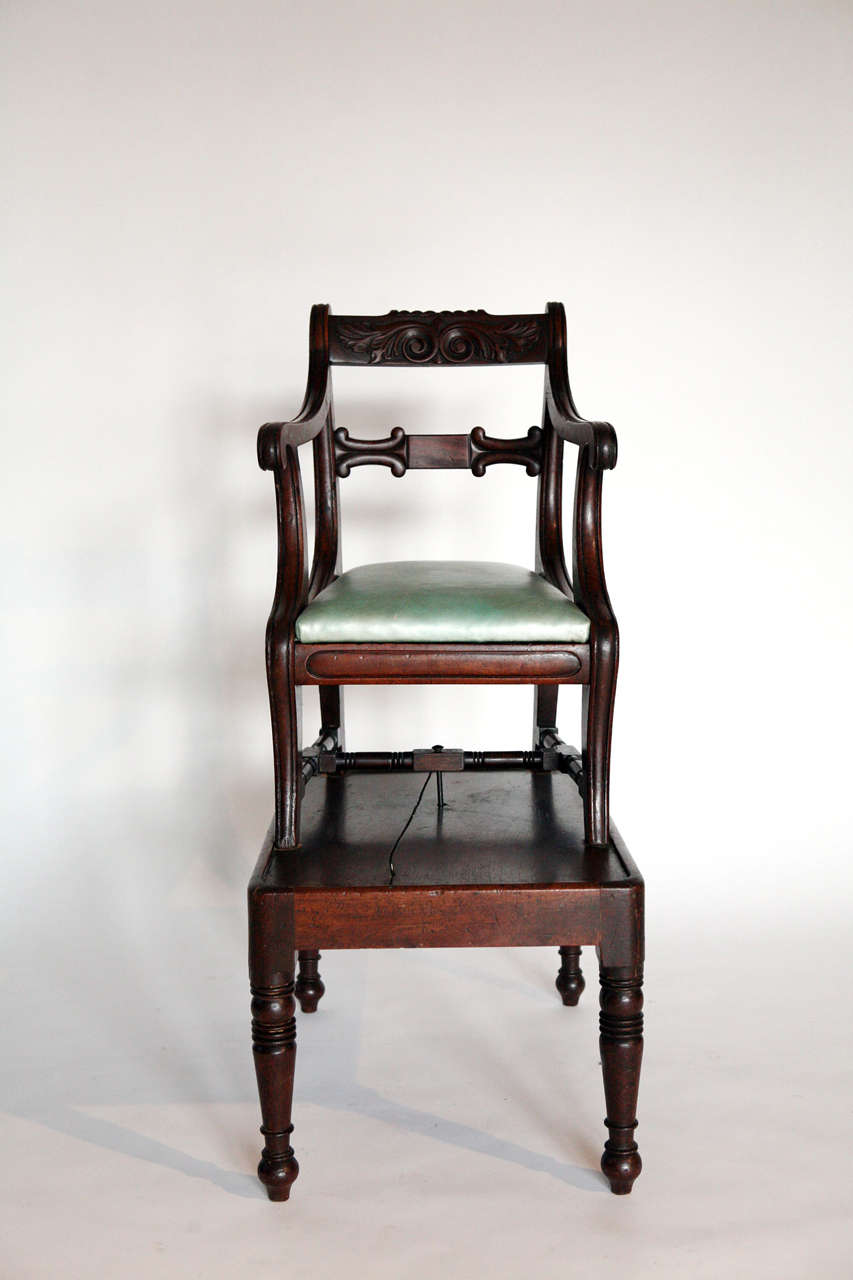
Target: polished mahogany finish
(503,862)
(401,452)
(437,337)
(422,663)
(310,987)
(570,981)
(426,338)
(510,848)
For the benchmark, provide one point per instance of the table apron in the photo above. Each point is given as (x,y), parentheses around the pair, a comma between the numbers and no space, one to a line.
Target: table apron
(448,916)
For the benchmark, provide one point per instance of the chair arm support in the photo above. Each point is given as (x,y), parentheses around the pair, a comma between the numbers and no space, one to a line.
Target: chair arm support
(274,438)
(588,579)
(598,437)
(291,587)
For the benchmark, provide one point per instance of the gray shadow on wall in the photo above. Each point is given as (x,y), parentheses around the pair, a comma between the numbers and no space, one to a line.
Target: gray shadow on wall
(148,991)
(137,1037)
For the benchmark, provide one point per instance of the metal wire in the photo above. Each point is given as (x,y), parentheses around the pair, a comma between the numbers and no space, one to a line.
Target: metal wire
(391,871)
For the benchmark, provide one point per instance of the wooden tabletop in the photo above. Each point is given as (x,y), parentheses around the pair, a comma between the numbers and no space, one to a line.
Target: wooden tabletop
(496,828)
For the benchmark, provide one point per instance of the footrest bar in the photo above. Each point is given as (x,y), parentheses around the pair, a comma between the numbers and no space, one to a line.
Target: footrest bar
(432,760)
(551,754)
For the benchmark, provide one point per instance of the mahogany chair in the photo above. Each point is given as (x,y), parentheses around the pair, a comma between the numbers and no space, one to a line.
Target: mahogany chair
(506,862)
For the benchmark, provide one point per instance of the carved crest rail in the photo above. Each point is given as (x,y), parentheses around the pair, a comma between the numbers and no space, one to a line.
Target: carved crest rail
(437,337)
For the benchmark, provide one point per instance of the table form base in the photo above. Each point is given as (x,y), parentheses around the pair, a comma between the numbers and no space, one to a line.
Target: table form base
(501,863)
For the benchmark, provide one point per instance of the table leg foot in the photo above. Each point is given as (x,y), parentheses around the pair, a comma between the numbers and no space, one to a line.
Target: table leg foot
(310,987)
(278,1169)
(570,981)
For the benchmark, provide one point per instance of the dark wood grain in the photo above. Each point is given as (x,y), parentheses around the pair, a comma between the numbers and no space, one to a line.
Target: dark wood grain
(332,712)
(391,452)
(621,1047)
(326,562)
(432,759)
(290,596)
(489,858)
(549,553)
(591,595)
(432,338)
(271,960)
(570,981)
(496,828)
(485,451)
(447,917)
(310,987)
(437,337)
(401,452)
(273,437)
(599,437)
(503,863)
(416,663)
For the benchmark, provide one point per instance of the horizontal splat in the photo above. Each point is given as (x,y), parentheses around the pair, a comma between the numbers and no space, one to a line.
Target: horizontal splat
(402,452)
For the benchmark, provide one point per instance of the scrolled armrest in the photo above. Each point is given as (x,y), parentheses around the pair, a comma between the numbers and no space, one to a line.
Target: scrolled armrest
(274,437)
(598,436)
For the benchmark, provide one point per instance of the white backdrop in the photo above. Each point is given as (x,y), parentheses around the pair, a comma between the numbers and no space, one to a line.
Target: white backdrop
(184,180)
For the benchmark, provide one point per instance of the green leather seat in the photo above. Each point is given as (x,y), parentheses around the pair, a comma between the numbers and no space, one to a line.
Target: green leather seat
(442,601)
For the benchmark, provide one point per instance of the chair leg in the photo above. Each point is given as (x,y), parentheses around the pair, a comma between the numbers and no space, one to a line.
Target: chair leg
(274,1049)
(570,982)
(310,987)
(621,1044)
(596,728)
(332,711)
(544,709)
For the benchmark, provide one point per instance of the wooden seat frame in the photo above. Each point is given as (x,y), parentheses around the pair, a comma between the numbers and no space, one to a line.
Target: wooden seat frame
(411,338)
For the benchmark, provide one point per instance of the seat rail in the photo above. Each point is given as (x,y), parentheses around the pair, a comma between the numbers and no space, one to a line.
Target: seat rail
(402,663)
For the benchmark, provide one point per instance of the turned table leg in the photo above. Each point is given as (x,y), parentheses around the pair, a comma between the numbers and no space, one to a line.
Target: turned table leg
(570,983)
(621,1042)
(274,1047)
(310,987)
(271,973)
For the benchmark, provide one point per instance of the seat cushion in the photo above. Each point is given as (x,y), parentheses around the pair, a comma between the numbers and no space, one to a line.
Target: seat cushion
(443,601)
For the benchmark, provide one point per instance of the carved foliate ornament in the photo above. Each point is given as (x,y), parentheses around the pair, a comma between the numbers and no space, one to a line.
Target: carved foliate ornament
(439,337)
